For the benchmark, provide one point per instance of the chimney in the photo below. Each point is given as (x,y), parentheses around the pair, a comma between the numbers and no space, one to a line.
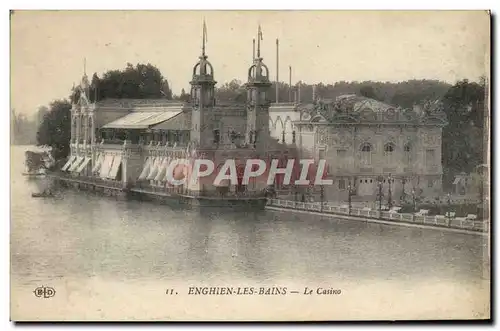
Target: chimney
(277,69)
(290,85)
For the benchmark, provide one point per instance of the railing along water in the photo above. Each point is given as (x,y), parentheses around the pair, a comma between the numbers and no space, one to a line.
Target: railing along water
(438,220)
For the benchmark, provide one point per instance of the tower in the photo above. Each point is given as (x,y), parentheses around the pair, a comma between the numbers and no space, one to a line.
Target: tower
(258,85)
(203,131)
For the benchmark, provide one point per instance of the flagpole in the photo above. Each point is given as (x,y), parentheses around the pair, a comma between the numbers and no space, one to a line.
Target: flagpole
(204,37)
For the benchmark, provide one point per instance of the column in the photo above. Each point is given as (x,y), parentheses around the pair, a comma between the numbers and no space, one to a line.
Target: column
(73,128)
(85,129)
(92,133)
(78,127)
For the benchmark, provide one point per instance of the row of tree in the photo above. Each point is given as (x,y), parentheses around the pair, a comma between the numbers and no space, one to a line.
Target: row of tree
(464,105)
(404,94)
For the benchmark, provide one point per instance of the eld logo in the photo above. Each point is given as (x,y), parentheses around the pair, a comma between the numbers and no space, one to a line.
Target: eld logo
(44,292)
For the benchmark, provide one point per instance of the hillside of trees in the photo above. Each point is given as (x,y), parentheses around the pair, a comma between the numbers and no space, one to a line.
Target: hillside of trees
(404,94)
(463,102)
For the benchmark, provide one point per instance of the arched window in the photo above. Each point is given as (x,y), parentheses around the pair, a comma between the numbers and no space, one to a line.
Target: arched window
(366,154)
(407,150)
(389,153)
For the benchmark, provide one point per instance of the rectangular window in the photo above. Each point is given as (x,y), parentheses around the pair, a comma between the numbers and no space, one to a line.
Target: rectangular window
(321,154)
(430,157)
(366,158)
(341,184)
(341,153)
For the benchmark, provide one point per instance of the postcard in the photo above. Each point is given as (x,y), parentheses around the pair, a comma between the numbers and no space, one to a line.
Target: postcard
(250,165)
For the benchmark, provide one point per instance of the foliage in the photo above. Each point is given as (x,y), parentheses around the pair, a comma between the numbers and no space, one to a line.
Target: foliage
(463,137)
(404,94)
(143,81)
(55,129)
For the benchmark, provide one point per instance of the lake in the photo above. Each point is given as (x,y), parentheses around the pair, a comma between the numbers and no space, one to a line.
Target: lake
(115,260)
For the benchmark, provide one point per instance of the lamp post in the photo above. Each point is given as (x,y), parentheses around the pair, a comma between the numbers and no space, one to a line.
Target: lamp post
(389,198)
(414,204)
(322,196)
(414,200)
(449,208)
(403,182)
(349,197)
(379,179)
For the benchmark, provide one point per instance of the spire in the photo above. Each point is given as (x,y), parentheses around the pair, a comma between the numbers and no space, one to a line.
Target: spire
(253,52)
(259,38)
(204,38)
(84,66)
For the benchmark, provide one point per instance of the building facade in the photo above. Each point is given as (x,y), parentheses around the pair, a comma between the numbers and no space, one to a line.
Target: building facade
(370,147)
(131,143)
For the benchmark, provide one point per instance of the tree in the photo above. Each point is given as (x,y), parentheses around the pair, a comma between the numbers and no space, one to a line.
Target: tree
(368,91)
(462,148)
(143,81)
(166,91)
(55,129)
(184,96)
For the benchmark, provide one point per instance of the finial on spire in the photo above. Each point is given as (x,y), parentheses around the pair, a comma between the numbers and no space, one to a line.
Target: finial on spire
(259,38)
(204,38)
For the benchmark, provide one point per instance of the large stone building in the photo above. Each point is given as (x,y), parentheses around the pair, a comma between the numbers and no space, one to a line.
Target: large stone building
(130,143)
(368,145)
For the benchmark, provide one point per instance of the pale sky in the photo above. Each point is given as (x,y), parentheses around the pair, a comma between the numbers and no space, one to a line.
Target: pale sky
(48,47)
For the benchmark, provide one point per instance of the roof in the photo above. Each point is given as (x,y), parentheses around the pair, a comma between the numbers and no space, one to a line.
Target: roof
(355,103)
(139,104)
(181,121)
(141,119)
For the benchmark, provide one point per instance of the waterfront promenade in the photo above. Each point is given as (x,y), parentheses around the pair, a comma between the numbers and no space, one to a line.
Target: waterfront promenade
(455,224)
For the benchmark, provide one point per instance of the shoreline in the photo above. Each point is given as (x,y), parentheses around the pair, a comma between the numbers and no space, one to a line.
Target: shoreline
(377,221)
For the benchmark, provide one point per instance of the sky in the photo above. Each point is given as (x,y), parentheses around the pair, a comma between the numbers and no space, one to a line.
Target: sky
(48,47)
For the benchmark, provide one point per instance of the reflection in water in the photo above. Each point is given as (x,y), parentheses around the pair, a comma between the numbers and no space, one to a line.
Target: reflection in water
(80,235)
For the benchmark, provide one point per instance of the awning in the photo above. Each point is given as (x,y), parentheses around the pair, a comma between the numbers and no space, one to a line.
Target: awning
(141,119)
(67,164)
(98,164)
(145,170)
(83,165)
(106,166)
(162,170)
(75,164)
(168,160)
(116,165)
(154,168)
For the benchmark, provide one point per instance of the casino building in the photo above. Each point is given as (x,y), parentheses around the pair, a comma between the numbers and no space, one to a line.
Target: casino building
(130,143)
(369,146)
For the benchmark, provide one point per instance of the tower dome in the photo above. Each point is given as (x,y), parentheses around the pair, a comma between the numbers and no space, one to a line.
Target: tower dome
(203,70)
(258,72)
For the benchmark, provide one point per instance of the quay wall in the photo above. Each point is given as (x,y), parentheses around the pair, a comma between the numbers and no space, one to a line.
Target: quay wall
(410,220)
